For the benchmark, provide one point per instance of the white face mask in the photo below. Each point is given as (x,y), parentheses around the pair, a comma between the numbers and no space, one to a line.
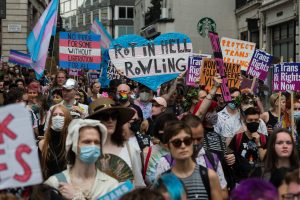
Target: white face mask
(58,123)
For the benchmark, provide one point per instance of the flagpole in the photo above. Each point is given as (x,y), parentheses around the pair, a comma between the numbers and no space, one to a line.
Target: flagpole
(53,45)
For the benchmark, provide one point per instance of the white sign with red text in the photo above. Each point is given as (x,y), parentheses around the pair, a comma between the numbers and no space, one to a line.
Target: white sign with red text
(19,161)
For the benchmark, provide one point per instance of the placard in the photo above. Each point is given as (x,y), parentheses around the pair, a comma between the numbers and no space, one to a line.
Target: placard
(92,77)
(75,72)
(19,161)
(151,63)
(118,192)
(237,51)
(209,69)
(79,51)
(259,65)
(286,77)
(215,43)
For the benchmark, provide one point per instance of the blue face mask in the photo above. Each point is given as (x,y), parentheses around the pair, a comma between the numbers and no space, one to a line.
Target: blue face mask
(297,115)
(232,106)
(89,154)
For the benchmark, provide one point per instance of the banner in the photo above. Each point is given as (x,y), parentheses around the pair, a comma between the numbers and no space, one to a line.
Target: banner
(209,70)
(118,192)
(19,161)
(151,63)
(259,65)
(237,51)
(79,51)
(286,77)
(215,43)
(193,72)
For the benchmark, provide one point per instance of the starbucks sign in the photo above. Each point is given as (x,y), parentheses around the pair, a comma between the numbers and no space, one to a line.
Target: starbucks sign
(205,25)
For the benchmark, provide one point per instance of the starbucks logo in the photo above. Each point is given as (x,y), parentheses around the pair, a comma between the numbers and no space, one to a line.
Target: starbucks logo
(205,25)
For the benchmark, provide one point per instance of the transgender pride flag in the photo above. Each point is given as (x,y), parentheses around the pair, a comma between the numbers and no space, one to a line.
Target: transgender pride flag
(98,29)
(39,39)
(19,58)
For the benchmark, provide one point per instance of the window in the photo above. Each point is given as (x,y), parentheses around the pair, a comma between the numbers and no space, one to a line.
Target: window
(88,17)
(125,30)
(73,4)
(83,17)
(125,12)
(67,6)
(77,20)
(92,17)
(73,21)
(80,3)
(283,40)
(104,14)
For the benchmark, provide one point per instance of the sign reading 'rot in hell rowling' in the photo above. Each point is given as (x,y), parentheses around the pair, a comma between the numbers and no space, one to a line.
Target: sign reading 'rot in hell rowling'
(286,77)
(79,51)
(19,161)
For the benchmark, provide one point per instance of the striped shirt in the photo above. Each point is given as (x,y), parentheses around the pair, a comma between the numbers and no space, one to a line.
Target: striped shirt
(195,186)
(214,142)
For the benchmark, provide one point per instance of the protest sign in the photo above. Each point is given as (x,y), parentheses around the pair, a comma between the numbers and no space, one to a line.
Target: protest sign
(209,70)
(75,72)
(79,51)
(215,43)
(193,72)
(237,51)
(286,77)
(19,161)
(259,65)
(92,77)
(118,192)
(112,72)
(151,63)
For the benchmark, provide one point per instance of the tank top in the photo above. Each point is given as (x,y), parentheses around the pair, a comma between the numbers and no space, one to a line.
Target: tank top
(272,120)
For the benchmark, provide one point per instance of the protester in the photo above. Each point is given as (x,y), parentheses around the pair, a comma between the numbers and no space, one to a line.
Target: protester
(200,182)
(281,156)
(144,101)
(292,181)
(120,160)
(84,145)
(95,90)
(52,146)
(142,194)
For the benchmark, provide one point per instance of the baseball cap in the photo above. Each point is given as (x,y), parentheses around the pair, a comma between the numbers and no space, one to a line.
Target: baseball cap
(70,84)
(160,100)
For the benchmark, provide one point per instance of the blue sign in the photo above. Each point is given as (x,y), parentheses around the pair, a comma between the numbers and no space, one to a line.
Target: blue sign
(118,192)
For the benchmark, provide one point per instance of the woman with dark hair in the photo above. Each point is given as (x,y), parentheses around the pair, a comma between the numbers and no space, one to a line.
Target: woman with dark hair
(52,147)
(120,160)
(82,180)
(281,156)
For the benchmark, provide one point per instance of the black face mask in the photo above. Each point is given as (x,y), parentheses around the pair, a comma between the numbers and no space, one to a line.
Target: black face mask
(252,126)
(135,126)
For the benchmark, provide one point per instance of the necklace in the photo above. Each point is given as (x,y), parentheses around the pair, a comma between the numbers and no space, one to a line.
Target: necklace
(84,186)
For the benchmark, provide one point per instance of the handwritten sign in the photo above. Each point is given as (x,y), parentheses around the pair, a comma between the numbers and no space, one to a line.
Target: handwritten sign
(118,192)
(79,51)
(215,43)
(259,65)
(193,72)
(237,51)
(112,72)
(92,77)
(19,161)
(151,63)
(286,77)
(209,70)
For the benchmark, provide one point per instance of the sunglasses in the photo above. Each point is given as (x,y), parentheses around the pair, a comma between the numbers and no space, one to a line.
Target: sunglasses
(107,116)
(178,142)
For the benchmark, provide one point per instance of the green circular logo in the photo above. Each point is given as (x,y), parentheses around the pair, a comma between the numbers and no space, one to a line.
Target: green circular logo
(206,24)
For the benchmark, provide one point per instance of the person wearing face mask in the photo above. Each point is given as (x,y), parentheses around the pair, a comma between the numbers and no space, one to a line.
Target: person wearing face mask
(82,179)
(145,96)
(52,147)
(249,147)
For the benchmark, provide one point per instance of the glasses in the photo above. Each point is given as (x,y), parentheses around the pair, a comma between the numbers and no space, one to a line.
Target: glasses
(178,142)
(107,116)
(290,196)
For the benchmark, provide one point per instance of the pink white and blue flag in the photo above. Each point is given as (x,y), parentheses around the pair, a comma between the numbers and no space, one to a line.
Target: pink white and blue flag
(39,39)
(98,29)
(19,58)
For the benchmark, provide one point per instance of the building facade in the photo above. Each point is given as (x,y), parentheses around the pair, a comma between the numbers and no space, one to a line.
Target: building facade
(20,18)
(115,15)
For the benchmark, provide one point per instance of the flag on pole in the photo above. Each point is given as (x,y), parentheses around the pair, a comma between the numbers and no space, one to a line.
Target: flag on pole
(39,39)
(98,29)
(19,58)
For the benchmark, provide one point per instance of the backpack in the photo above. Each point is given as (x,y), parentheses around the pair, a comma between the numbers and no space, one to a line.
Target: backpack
(211,160)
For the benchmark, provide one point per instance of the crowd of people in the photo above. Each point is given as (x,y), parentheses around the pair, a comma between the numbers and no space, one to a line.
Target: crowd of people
(175,143)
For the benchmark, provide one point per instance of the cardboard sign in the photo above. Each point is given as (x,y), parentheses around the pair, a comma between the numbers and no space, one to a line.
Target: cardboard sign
(209,70)
(118,192)
(215,43)
(79,51)
(237,51)
(259,65)
(151,63)
(193,72)
(19,161)
(286,77)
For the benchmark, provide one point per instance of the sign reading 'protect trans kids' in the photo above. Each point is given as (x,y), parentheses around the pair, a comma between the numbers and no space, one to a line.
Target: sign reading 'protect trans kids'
(79,51)
(151,63)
